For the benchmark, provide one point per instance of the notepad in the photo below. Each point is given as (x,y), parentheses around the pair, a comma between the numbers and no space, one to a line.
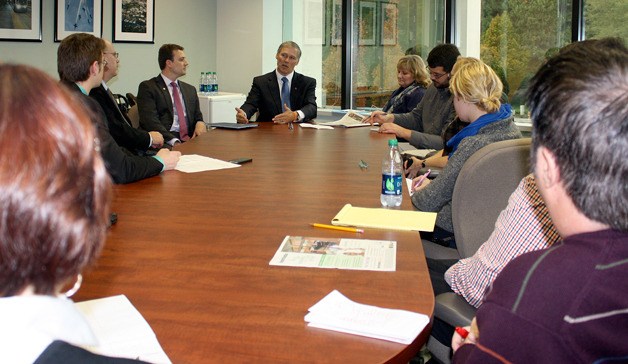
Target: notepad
(381,218)
(235,126)
(352,119)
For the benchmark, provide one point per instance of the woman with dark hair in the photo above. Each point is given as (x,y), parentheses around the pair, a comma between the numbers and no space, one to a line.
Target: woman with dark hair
(54,208)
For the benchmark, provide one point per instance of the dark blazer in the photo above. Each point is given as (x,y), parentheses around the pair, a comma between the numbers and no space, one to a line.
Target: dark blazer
(265,98)
(119,125)
(156,110)
(60,352)
(123,166)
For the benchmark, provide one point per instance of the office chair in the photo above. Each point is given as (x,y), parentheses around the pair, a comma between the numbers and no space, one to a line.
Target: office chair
(131,98)
(134,116)
(482,189)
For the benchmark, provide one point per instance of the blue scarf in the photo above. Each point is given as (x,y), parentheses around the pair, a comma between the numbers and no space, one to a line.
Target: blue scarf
(504,112)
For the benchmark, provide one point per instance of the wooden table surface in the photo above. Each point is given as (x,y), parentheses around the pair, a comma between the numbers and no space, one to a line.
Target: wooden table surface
(191,251)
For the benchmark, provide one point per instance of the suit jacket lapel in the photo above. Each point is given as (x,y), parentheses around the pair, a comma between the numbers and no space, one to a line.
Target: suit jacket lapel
(273,89)
(161,85)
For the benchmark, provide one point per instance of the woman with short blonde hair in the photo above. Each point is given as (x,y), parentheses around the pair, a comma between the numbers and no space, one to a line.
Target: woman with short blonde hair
(413,79)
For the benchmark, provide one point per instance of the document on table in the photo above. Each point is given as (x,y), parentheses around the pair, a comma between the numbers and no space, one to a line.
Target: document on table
(121,330)
(385,218)
(315,126)
(358,254)
(338,313)
(191,163)
(352,119)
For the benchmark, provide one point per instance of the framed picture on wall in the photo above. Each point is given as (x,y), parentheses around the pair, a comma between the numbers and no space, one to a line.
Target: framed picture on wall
(77,16)
(336,23)
(134,21)
(21,21)
(388,14)
(314,23)
(366,23)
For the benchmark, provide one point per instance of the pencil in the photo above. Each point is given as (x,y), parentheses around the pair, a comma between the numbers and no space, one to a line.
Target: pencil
(341,228)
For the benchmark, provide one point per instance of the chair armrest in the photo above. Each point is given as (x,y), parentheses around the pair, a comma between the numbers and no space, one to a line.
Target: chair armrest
(453,309)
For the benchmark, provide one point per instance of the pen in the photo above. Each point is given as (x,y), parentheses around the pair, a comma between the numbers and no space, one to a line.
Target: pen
(462,332)
(421,179)
(341,228)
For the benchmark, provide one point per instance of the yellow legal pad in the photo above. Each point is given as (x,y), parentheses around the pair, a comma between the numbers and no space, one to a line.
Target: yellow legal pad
(381,218)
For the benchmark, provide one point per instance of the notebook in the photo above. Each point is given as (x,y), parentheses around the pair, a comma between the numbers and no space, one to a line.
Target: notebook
(233,126)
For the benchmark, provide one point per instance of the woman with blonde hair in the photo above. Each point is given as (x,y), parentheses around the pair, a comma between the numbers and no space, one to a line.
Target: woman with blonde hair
(413,79)
(476,90)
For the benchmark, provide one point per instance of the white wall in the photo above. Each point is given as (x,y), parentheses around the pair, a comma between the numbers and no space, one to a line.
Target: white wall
(190,23)
(468,15)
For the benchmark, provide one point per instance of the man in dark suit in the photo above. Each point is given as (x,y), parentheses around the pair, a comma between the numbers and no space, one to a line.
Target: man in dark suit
(282,95)
(167,105)
(135,140)
(80,65)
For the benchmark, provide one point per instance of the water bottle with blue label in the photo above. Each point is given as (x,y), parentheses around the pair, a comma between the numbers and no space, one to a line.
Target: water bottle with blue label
(392,176)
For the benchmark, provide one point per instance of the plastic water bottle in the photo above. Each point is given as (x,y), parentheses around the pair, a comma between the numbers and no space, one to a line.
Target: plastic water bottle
(392,176)
(201,84)
(215,83)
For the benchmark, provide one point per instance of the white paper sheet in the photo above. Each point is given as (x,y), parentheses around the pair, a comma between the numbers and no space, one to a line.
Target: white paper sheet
(315,126)
(121,330)
(192,163)
(338,313)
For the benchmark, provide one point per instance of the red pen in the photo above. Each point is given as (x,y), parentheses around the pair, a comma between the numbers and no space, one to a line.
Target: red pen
(462,332)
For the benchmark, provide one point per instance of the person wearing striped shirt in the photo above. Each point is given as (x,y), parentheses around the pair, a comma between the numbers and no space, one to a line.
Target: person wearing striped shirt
(524,226)
(569,303)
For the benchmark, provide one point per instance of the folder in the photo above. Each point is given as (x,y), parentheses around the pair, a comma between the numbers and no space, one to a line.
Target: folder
(381,218)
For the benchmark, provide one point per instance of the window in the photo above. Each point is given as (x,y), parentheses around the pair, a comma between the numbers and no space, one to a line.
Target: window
(605,18)
(383,31)
(517,36)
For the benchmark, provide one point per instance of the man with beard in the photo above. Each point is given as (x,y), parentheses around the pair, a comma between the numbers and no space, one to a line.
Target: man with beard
(423,126)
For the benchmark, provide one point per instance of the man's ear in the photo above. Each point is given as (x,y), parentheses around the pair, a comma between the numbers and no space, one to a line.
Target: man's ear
(546,169)
(94,69)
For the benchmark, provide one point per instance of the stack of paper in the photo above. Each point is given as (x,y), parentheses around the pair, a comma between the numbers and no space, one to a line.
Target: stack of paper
(191,163)
(121,330)
(338,313)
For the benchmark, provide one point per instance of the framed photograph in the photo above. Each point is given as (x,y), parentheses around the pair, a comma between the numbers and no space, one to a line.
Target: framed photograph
(388,14)
(134,21)
(366,23)
(314,23)
(77,16)
(336,23)
(21,20)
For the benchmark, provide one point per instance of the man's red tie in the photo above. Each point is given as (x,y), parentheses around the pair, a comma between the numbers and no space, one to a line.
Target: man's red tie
(183,125)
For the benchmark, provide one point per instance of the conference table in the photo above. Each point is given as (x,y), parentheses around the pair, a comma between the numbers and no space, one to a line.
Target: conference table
(191,251)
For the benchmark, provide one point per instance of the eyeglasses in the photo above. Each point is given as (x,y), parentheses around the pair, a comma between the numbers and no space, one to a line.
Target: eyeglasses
(115,54)
(435,76)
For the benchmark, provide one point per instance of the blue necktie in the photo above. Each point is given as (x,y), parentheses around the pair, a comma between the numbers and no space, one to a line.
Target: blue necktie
(285,93)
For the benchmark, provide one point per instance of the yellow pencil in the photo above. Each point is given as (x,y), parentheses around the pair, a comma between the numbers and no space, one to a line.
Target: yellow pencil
(341,228)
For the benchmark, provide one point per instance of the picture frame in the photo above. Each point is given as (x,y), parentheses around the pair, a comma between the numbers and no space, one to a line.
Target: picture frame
(367,23)
(314,23)
(134,21)
(336,23)
(77,16)
(388,21)
(24,22)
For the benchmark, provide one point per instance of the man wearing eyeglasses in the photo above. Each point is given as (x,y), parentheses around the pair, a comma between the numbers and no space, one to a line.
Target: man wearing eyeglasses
(282,96)
(135,140)
(80,63)
(423,126)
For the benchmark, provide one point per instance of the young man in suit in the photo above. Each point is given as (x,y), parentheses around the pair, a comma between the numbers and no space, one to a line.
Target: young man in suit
(281,96)
(135,140)
(80,65)
(168,105)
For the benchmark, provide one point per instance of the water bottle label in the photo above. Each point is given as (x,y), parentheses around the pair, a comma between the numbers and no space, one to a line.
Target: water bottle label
(391,184)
